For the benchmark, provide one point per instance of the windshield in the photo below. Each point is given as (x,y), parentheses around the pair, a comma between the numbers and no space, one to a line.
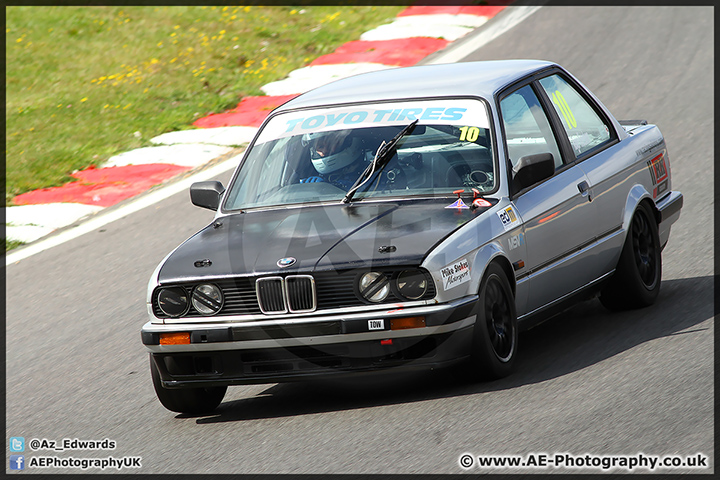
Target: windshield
(318,155)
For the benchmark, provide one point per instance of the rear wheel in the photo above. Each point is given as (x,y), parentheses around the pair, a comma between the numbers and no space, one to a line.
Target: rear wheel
(186,400)
(636,282)
(495,334)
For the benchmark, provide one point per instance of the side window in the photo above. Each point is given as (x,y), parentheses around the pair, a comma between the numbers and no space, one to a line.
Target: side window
(527,129)
(584,127)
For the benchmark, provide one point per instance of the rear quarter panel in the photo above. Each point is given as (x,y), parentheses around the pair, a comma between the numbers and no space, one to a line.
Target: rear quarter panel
(620,179)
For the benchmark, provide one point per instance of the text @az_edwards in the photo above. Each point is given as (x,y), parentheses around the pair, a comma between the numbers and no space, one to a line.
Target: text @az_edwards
(71,444)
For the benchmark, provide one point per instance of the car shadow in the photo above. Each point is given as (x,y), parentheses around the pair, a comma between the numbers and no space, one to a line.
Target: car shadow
(582,336)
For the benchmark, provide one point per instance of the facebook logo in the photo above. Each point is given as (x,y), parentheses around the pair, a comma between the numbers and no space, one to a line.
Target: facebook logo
(17,462)
(17,444)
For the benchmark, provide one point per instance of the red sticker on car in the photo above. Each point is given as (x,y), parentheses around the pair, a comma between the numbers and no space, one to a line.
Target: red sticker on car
(658,170)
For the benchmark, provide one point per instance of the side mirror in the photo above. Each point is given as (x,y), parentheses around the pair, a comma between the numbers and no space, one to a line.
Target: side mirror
(206,194)
(531,169)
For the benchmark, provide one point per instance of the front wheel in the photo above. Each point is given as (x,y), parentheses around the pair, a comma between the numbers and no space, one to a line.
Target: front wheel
(186,400)
(636,282)
(495,335)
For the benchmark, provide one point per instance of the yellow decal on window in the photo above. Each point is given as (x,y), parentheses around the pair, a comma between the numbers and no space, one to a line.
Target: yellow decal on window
(469,134)
(564,108)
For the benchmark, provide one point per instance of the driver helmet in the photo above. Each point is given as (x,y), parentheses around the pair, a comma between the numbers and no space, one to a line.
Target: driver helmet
(331,151)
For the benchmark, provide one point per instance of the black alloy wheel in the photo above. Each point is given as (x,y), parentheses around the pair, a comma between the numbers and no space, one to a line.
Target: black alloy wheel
(644,249)
(495,334)
(498,319)
(637,277)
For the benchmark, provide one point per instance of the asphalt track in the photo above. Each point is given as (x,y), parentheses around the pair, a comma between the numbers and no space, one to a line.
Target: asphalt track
(588,381)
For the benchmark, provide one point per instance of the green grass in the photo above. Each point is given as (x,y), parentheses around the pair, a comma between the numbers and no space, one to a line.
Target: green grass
(10,244)
(81,81)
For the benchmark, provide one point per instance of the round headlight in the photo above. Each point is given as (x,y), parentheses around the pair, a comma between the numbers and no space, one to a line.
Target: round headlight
(173,301)
(412,284)
(374,286)
(207,299)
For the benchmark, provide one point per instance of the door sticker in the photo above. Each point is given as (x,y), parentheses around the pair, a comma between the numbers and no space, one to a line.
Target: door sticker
(515,241)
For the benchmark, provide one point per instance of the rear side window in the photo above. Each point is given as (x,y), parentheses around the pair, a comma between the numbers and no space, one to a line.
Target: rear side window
(584,127)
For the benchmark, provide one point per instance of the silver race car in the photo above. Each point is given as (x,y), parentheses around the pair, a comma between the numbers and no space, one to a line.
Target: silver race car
(411,218)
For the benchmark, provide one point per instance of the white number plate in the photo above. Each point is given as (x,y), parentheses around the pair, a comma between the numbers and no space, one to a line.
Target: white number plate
(376,324)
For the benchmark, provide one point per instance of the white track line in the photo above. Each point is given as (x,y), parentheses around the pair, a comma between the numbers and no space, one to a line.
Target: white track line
(501,24)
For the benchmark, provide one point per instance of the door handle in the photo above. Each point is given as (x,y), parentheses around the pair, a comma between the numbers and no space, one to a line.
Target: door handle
(584,189)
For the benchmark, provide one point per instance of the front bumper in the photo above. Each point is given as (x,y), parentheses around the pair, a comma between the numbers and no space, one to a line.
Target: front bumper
(273,351)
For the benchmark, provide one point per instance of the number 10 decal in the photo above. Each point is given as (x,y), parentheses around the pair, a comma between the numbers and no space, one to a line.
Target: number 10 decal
(469,134)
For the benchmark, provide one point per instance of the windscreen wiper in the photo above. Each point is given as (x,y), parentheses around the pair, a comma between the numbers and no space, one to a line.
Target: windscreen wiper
(383,155)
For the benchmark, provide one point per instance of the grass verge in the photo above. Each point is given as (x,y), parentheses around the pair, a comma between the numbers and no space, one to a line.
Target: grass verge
(10,244)
(86,83)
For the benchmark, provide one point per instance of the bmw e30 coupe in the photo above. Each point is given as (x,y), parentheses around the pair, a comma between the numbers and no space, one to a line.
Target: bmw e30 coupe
(411,218)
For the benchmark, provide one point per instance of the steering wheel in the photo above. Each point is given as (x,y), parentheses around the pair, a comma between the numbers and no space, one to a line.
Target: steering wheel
(461,175)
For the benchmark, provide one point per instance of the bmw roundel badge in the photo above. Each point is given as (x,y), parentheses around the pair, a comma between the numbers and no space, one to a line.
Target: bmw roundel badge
(286,262)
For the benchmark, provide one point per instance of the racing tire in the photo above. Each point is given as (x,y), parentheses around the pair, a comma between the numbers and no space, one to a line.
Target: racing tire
(186,400)
(495,336)
(636,282)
